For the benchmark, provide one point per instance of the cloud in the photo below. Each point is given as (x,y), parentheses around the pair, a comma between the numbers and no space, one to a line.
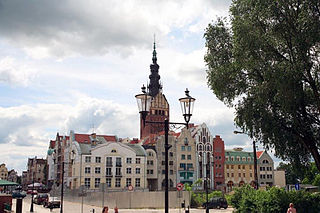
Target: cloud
(78,27)
(14,73)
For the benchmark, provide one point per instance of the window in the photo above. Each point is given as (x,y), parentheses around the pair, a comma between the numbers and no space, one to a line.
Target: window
(108,172)
(231,174)
(231,166)
(150,154)
(239,174)
(171,172)
(113,151)
(239,167)
(138,160)
(186,141)
(118,182)
(108,182)
(232,158)
(243,167)
(250,166)
(118,162)
(183,157)
(189,148)
(163,172)
(150,162)
(128,182)
(87,170)
(227,166)
(238,158)
(244,175)
(249,159)
(243,158)
(171,154)
(108,161)
(97,170)
(98,159)
(227,174)
(183,148)
(189,157)
(137,182)
(87,183)
(163,153)
(128,170)
(163,163)
(137,170)
(227,158)
(96,182)
(88,159)
(129,160)
(189,166)
(150,172)
(183,165)
(171,163)
(118,171)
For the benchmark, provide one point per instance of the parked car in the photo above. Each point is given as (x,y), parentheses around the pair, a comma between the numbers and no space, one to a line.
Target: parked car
(40,199)
(216,202)
(18,194)
(30,191)
(51,202)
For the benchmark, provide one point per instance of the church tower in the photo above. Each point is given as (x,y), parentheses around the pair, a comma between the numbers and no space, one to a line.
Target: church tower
(159,110)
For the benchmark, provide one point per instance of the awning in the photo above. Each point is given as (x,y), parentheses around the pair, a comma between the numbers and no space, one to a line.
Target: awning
(7,183)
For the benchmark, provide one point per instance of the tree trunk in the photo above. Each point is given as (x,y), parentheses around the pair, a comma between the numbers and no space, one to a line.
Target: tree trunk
(315,154)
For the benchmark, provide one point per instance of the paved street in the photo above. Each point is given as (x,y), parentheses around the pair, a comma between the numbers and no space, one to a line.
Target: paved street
(76,208)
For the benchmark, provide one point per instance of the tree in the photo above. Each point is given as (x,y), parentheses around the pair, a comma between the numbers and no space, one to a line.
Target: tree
(265,63)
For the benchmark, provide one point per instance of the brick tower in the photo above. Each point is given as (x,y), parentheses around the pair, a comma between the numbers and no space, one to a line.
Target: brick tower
(159,110)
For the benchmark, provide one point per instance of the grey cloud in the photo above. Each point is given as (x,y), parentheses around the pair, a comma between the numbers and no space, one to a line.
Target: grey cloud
(72,27)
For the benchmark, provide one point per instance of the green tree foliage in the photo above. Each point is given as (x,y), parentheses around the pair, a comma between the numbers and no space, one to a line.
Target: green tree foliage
(296,173)
(274,200)
(266,63)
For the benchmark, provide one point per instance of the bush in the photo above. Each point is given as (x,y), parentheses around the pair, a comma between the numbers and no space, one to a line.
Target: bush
(198,198)
(246,199)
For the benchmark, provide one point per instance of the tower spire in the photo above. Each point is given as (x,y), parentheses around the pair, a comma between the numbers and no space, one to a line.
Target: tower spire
(154,54)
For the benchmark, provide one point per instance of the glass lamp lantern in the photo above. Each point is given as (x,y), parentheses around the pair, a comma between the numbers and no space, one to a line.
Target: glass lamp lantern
(186,104)
(144,102)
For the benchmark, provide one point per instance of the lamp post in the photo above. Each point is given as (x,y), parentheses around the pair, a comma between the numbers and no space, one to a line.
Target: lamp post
(206,159)
(144,104)
(255,164)
(31,207)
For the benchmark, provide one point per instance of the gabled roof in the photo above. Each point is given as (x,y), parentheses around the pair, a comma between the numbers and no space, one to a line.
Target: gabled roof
(259,154)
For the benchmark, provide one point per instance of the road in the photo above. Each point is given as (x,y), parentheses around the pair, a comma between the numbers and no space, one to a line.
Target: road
(70,207)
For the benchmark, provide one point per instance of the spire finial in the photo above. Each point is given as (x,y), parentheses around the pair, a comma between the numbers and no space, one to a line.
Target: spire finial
(154,55)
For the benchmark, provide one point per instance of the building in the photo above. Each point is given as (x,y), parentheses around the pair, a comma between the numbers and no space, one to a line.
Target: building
(239,168)
(3,172)
(265,169)
(13,176)
(115,164)
(24,180)
(186,157)
(280,178)
(159,110)
(37,170)
(204,153)
(218,163)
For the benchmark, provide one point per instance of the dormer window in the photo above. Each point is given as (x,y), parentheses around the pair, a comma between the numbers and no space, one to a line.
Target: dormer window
(113,151)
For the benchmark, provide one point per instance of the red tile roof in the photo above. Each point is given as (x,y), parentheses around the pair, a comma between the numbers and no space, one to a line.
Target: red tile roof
(84,138)
(259,153)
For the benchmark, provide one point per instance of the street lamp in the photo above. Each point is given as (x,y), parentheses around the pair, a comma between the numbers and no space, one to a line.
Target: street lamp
(206,159)
(256,185)
(31,207)
(144,104)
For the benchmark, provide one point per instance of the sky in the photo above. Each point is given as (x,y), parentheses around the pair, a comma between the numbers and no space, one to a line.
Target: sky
(77,65)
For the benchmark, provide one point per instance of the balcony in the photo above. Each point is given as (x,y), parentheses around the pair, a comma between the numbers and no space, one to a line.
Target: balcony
(118,165)
(108,164)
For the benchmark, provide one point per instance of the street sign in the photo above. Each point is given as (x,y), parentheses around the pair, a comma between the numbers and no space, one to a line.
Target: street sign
(180,186)
(297,186)
(130,188)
